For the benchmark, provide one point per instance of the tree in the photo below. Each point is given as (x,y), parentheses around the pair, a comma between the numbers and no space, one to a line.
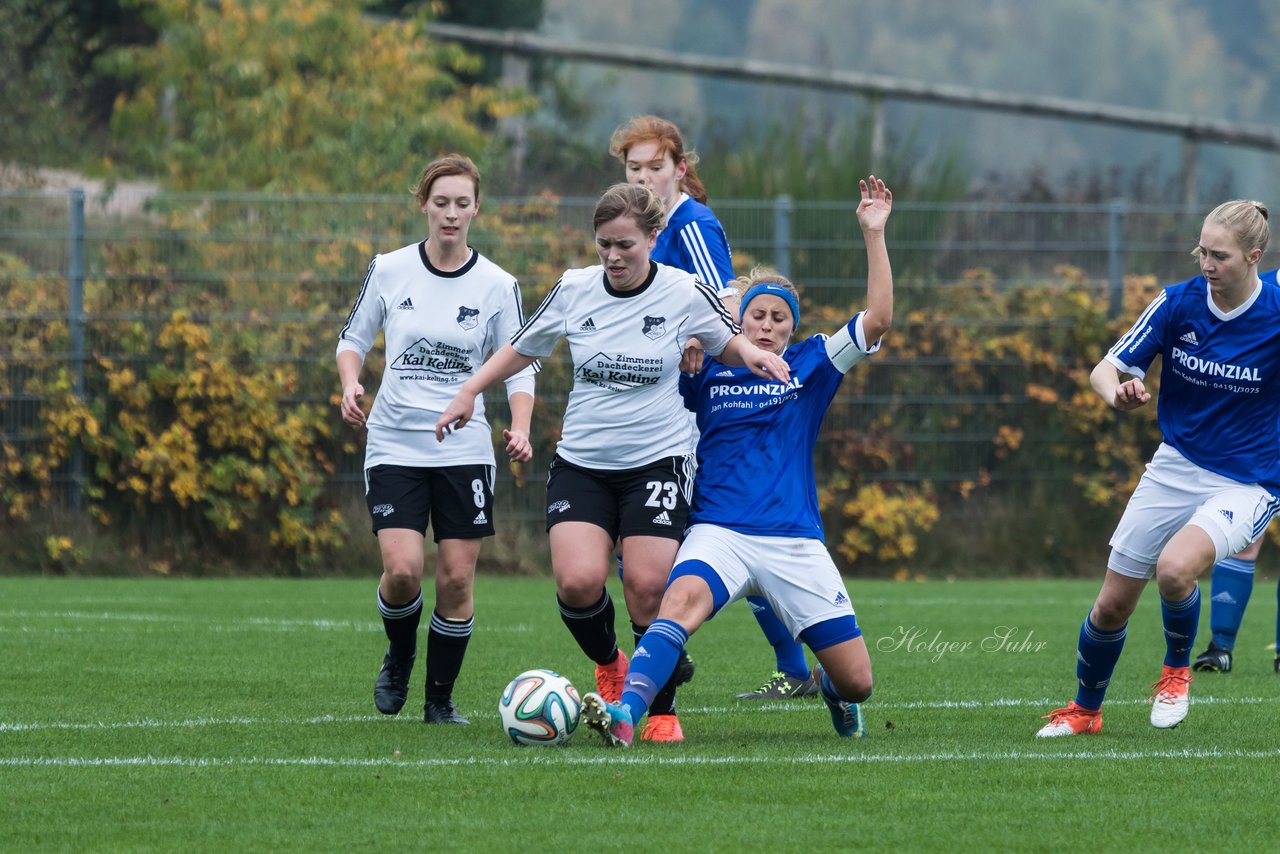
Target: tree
(294,96)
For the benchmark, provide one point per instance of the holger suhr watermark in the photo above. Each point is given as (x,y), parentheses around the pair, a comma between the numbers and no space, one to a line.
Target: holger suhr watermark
(919,640)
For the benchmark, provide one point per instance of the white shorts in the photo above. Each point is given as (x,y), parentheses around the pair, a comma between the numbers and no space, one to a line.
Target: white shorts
(794,574)
(1175,492)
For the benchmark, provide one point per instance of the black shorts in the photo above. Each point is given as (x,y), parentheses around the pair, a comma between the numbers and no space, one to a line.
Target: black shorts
(456,500)
(649,501)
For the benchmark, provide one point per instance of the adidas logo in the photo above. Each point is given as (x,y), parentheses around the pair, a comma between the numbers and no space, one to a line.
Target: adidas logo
(1174,635)
(641,652)
(480,519)
(662,519)
(841,598)
(588,325)
(1225,598)
(725,373)
(1230,517)
(407,305)
(1189,338)
(756,609)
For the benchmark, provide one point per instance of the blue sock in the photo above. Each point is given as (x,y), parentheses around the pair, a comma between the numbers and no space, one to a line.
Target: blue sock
(786,649)
(651,665)
(829,691)
(1232,586)
(1096,655)
(1180,622)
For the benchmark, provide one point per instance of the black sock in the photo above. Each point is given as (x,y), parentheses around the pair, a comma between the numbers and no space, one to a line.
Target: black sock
(592,628)
(664,702)
(401,624)
(446,646)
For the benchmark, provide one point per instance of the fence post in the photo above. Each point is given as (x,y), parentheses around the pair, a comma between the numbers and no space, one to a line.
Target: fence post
(782,209)
(75,326)
(1115,256)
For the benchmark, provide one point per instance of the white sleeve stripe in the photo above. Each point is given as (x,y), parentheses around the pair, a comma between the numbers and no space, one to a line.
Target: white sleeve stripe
(546,302)
(1141,323)
(359,298)
(691,237)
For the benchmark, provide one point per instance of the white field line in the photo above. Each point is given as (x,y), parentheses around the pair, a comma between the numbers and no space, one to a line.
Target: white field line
(806,707)
(216,625)
(532,757)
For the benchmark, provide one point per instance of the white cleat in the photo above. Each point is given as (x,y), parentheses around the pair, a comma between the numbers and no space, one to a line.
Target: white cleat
(1171,699)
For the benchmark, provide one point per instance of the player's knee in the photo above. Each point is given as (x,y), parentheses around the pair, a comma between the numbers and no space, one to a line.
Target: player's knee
(577,590)
(854,687)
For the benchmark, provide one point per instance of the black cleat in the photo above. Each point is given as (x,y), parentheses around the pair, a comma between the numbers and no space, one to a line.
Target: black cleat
(392,687)
(684,668)
(1215,659)
(441,711)
(1278,664)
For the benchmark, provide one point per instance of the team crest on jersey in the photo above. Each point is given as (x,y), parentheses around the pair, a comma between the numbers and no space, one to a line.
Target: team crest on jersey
(438,362)
(467,317)
(654,327)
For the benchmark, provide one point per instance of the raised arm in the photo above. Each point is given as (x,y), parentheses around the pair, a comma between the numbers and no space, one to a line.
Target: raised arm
(873,213)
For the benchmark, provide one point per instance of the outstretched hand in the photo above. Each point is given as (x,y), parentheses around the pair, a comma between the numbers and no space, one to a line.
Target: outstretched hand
(877,202)
(768,365)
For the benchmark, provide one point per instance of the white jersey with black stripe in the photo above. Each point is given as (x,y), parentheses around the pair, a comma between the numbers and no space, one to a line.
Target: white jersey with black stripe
(439,326)
(624,410)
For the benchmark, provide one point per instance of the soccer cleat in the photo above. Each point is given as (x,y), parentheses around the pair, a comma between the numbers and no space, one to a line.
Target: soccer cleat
(612,721)
(1277,664)
(846,717)
(780,686)
(610,678)
(440,710)
(1214,659)
(1073,720)
(1170,701)
(684,668)
(662,728)
(392,687)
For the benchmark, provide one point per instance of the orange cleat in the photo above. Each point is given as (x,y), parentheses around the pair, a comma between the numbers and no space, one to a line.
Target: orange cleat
(610,678)
(1170,701)
(663,728)
(1073,720)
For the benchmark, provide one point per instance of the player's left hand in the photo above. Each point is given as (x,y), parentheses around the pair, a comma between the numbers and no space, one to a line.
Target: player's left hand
(456,414)
(691,361)
(877,202)
(519,449)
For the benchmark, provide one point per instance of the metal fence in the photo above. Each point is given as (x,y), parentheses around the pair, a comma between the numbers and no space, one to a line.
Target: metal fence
(292,265)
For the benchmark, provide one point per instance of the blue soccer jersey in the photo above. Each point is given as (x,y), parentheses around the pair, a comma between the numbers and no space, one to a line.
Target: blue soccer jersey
(755,455)
(1219,377)
(694,240)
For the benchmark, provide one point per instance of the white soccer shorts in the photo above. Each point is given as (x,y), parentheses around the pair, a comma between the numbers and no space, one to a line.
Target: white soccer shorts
(1175,492)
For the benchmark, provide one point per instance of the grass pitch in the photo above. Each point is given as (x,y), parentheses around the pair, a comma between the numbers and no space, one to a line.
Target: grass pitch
(237,715)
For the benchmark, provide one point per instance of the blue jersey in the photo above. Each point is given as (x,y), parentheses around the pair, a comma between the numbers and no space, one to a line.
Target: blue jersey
(755,455)
(1219,399)
(694,241)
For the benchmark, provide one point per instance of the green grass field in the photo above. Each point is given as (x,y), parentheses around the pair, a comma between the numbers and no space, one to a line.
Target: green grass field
(237,715)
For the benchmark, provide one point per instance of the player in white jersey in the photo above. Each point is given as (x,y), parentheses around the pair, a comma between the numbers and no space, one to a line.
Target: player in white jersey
(622,468)
(755,527)
(652,152)
(1214,483)
(442,308)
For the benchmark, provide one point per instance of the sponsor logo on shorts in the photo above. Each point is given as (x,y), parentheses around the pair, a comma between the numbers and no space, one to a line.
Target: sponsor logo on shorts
(1230,517)
(662,519)
(558,507)
(480,519)
(468,318)
(383,509)
(841,598)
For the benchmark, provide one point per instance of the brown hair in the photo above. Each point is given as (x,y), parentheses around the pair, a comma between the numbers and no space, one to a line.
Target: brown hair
(450,164)
(634,200)
(670,141)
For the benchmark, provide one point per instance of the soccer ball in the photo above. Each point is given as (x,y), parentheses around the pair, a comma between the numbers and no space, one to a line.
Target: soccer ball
(540,707)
